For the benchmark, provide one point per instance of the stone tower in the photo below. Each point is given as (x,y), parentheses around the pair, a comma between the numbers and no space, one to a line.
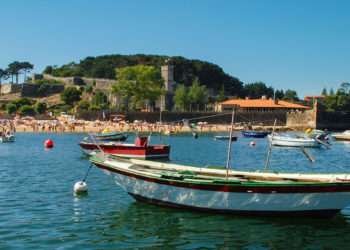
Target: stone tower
(168,76)
(166,101)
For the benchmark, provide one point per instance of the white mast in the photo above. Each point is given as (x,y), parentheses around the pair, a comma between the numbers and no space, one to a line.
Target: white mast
(230,143)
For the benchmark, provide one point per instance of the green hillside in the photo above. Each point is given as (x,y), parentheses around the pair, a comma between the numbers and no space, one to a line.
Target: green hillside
(186,70)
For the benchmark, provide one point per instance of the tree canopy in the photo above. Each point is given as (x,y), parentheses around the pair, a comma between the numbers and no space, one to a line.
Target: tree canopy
(181,98)
(185,70)
(16,68)
(197,94)
(70,95)
(137,84)
(337,101)
(257,90)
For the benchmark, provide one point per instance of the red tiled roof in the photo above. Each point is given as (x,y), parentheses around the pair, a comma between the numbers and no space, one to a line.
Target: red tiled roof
(263,103)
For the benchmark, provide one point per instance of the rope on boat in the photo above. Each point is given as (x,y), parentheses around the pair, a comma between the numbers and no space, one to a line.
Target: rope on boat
(307,154)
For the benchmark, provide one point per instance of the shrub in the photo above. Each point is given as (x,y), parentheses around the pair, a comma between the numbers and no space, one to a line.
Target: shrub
(26,110)
(47,81)
(11,108)
(70,95)
(83,105)
(89,89)
(22,101)
(40,107)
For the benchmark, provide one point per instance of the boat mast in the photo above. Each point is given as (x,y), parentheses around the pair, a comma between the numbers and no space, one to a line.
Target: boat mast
(267,162)
(230,143)
(160,124)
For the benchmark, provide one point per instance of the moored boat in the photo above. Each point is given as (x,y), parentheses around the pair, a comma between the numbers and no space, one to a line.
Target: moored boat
(223,190)
(111,136)
(225,137)
(255,134)
(7,137)
(344,136)
(293,141)
(140,149)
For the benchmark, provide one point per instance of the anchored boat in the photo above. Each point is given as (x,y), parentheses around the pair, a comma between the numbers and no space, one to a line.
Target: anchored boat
(344,136)
(225,190)
(140,149)
(8,137)
(254,134)
(111,136)
(293,141)
(225,137)
(220,190)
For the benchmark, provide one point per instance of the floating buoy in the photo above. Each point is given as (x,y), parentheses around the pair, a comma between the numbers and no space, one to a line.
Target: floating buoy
(48,143)
(80,187)
(252,143)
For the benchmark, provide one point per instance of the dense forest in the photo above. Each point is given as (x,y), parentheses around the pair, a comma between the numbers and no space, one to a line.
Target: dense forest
(186,70)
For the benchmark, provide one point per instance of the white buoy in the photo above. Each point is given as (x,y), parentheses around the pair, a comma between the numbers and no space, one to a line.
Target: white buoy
(80,187)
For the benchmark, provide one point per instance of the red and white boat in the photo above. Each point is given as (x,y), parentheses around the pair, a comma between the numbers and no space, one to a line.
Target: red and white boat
(140,149)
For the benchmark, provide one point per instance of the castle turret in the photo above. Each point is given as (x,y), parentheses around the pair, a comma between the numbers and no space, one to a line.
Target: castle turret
(166,101)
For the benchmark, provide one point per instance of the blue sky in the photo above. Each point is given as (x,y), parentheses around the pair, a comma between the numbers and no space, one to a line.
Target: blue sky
(302,45)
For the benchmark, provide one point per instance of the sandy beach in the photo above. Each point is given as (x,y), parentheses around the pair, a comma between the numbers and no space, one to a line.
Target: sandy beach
(81,126)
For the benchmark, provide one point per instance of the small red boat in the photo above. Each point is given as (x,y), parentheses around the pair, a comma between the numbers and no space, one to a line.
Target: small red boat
(140,149)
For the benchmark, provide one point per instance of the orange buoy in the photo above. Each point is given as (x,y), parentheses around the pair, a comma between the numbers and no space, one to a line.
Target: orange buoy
(48,143)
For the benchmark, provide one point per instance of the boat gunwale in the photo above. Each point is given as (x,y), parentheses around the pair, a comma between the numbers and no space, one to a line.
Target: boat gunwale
(227,185)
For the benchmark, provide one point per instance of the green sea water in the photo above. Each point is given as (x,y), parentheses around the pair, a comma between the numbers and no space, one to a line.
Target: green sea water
(39,211)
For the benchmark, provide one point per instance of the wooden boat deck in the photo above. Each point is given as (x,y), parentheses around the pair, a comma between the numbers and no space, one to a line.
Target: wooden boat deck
(189,173)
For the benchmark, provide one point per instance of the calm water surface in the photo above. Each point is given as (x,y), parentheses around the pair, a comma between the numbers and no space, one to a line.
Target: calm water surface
(39,211)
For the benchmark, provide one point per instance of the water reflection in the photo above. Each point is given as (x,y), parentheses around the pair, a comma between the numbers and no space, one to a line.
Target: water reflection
(143,225)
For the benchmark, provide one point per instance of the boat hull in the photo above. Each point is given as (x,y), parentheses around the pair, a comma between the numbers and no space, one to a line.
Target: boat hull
(341,137)
(129,150)
(294,142)
(226,138)
(221,198)
(111,137)
(5,139)
(254,134)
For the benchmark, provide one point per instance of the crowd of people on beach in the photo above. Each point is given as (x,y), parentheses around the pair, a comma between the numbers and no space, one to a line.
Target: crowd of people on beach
(70,124)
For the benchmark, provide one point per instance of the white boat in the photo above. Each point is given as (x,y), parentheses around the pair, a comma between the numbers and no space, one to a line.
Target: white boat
(344,136)
(225,190)
(293,141)
(9,137)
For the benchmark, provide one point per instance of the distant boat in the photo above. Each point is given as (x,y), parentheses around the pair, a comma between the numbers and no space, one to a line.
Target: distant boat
(7,137)
(344,136)
(111,136)
(255,134)
(293,141)
(225,137)
(140,149)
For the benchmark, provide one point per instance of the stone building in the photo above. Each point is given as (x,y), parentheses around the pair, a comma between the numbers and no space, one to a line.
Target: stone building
(167,72)
(260,105)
